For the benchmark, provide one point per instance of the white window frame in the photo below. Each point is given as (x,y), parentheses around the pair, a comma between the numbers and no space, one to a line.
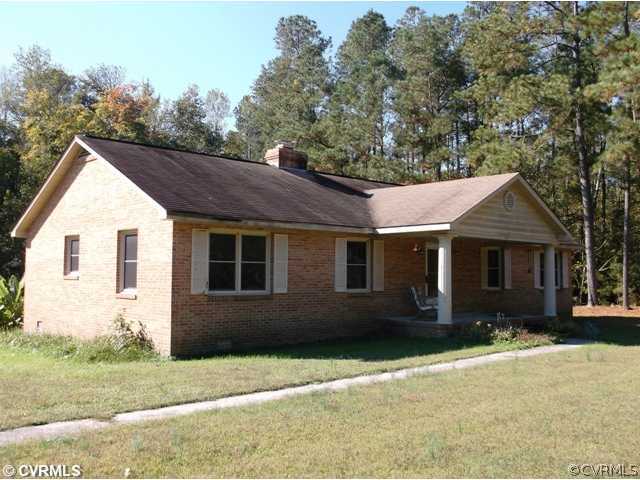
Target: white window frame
(121,261)
(367,243)
(500,268)
(68,273)
(238,261)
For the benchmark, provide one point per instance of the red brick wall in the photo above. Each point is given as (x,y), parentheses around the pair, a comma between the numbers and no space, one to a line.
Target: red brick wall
(95,202)
(523,298)
(310,310)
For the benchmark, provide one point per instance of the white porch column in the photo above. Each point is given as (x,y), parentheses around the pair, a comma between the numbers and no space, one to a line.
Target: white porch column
(444,279)
(549,281)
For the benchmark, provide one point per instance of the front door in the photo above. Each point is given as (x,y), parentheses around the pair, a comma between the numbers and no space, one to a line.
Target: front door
(431,272)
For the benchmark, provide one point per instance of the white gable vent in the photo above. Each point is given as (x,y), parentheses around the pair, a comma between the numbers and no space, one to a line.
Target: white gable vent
(509,201)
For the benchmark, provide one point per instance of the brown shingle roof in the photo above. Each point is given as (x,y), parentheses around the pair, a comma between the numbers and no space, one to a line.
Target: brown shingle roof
(431,203)
(227,189)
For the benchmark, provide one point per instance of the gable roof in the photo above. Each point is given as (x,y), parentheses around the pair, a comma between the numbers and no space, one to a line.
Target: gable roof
(194,185)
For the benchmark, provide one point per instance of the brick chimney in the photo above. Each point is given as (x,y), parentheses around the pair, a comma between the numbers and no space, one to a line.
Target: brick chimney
(283,155)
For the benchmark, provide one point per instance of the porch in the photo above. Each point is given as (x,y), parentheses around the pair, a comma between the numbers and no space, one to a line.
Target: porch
(474,279)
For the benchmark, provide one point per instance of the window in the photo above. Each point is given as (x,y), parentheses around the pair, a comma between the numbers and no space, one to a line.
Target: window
(558,269)
(357,256)
(432,272)
(129,260)
(72,255)
(237,263)
(494,268)
(222,262)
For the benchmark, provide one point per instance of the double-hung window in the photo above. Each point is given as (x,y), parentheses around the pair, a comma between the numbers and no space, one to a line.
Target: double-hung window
(128,247)
(492,268)
(72,256)
(357,256)
(238,263)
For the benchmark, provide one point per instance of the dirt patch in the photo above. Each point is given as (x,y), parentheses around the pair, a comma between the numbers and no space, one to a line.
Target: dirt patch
(603,311)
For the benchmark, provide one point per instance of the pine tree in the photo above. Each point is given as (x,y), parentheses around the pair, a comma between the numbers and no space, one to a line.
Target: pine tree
(289,96)
(359,109)
(616,25)
(430,121)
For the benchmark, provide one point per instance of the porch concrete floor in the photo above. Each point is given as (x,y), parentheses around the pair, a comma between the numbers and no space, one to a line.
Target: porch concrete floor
(463,318)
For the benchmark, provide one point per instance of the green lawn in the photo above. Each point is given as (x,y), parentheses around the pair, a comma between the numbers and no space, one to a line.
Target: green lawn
(35,388)
(525,418)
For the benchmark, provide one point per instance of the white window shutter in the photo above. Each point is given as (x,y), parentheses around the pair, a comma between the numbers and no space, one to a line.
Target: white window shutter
(484,266)
(378,265)
(341,265)
(566,283)
(199,261)
(507,268)
(280,263)
(537,283)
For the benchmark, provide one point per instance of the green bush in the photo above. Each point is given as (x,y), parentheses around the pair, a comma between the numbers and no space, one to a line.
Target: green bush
(125,344)
(505,333)
(10,302)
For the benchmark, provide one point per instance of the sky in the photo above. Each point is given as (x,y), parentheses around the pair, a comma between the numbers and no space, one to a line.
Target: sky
(175,44)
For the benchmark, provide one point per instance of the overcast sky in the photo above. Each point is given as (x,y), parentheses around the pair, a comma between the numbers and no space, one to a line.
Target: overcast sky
(214,45)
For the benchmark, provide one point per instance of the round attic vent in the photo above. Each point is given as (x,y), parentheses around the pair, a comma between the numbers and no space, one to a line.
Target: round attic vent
(509,201)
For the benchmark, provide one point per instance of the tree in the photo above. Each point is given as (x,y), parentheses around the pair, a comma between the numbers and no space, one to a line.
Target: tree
(430,123)
(360,107)
(186,123)
(218,108)
(619,85)
(289,96)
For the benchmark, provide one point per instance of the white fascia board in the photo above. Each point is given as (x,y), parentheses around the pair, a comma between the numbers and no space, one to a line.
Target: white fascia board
(434,227)
(21,228)
(269,225)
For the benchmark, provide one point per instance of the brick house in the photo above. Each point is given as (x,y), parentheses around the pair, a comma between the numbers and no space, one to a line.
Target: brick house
(212,253)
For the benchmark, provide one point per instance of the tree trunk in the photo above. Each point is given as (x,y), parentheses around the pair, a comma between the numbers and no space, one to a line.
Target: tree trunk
(625,234)
(584,169)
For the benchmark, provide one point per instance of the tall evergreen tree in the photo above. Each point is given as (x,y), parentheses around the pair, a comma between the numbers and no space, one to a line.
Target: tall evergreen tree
(359,115)
(616,24)
(430,122)
(290,94)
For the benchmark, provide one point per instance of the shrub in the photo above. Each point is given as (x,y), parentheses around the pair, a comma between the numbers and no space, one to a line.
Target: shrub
(10,302)
(126,336)
(505,333)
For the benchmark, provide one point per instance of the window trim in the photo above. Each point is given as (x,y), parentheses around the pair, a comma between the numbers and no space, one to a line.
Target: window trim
(127,292)
(67,272)
(500,268)
(238,261)
(367,243)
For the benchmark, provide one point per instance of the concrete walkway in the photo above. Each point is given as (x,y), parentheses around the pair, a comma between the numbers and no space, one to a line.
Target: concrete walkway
(74,427)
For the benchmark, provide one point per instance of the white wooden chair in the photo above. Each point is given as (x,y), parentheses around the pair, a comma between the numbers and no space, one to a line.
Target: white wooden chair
(423,304)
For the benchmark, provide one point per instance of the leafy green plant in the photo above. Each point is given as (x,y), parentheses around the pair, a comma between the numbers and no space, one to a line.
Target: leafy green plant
(11,302)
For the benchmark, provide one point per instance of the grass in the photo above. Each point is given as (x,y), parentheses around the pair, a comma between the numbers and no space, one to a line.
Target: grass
(524,418)
(40,383)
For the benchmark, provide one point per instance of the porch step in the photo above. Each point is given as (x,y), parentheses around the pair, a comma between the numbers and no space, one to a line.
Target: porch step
(411,327)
